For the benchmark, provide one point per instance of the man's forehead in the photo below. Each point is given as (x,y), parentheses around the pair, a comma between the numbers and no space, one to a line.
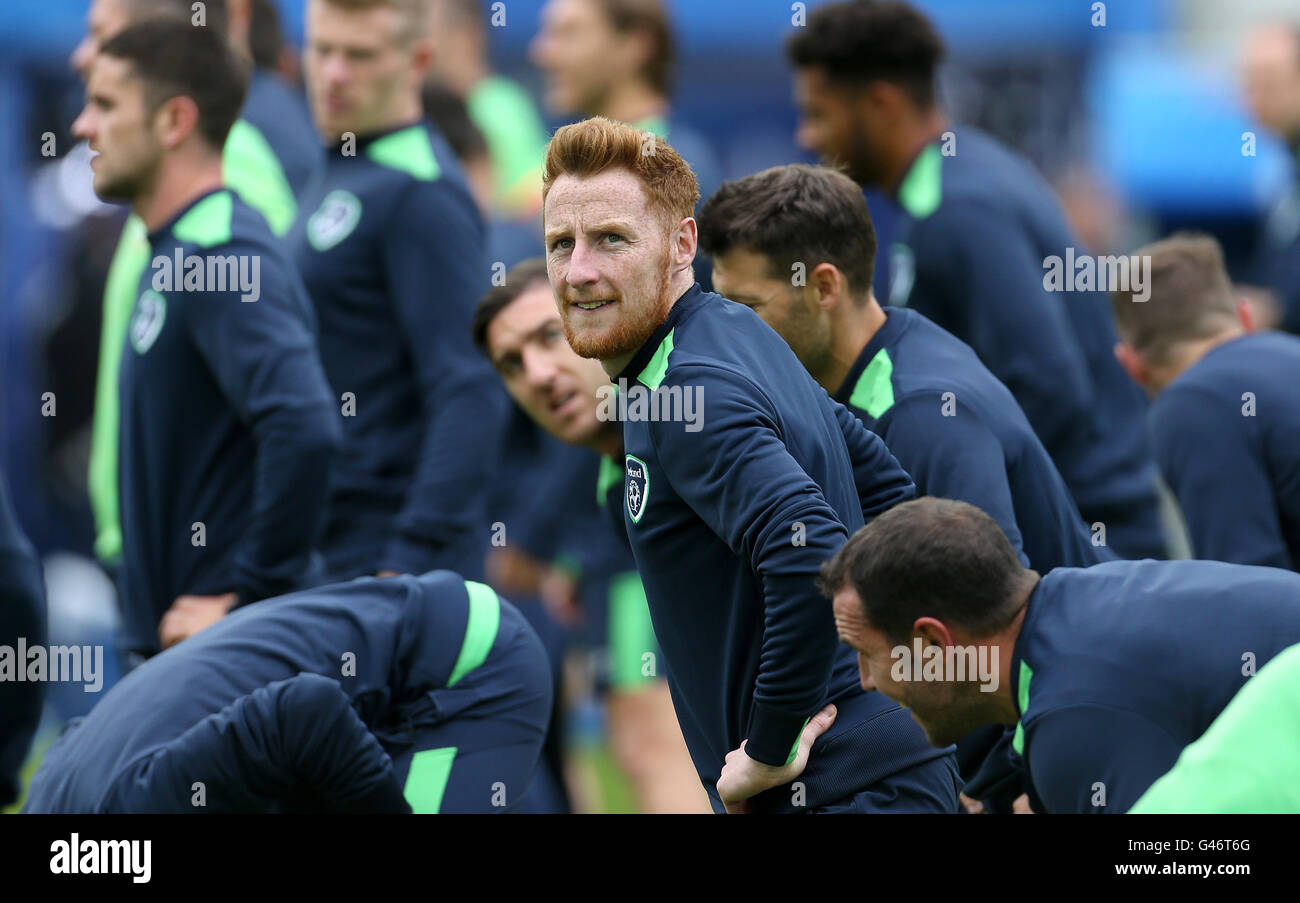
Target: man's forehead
(108,72)
(606,195)
(521,317)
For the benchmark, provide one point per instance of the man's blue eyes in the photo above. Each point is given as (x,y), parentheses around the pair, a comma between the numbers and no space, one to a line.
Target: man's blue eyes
(563,243)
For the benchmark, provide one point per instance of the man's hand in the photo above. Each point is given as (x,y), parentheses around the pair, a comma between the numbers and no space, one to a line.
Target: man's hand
(743,777)
(190,614)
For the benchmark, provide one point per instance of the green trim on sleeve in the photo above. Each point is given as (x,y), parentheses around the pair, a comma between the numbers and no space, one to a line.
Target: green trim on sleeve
(922,188)
(252,170)
(653,374)
(426,782)
(874,392)
(480,630)
(407,151)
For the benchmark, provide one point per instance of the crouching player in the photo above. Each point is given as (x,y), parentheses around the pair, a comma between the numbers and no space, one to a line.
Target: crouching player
(407,694)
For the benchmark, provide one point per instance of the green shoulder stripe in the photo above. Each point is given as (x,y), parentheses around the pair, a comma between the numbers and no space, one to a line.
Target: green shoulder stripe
(251,168)
(654,372)
(1026,675)
(407,151)
(874,392)
(207,223)
(922,187)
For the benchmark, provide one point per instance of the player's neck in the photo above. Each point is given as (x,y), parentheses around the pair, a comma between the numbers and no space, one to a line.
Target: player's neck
(850,335)
(179,183)
(1188,354)
(632,101)
(1006,642)
(920,129)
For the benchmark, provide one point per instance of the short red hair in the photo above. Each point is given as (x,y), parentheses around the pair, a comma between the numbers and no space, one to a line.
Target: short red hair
(595,145)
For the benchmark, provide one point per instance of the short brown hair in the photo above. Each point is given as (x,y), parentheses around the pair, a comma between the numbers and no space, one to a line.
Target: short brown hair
(1190,298)
(519,279)
(930,558)
(171,58)
(595,145)
(417,15)
(794,213)
(651,17)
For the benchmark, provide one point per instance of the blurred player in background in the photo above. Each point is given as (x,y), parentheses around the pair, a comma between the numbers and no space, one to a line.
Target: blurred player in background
(419,694)
(519,329)
(22,615)
(1107,672)
(732,505)
(1272,82)
(227,428)
(954,428)
(391,247)
(503,111)
(615,58)
(978,223)
(1225,418)
(268,157)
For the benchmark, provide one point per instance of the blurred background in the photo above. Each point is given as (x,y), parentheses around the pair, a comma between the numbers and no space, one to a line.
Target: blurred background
(1133,109)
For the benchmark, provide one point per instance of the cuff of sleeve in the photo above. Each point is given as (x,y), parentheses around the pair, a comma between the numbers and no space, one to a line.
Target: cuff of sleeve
(774,735)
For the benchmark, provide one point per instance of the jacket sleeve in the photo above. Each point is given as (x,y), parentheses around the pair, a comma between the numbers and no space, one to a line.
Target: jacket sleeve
(437,269)
(1017,327)
(953,457)
(264,357)
(880,480)
(297,740)
(737,475)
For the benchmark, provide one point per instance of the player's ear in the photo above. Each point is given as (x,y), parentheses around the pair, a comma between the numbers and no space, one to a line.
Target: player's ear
(1246,314)
(932,631)
(175,120)
(830,285)
(1133,364)
(686,241)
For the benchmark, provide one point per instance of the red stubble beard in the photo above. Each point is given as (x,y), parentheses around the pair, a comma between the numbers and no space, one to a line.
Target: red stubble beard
(635,324)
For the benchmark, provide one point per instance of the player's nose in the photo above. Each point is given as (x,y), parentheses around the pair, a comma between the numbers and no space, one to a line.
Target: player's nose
(582,265)
(539,371)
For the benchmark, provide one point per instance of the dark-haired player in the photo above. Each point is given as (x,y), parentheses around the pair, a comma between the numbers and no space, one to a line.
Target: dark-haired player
(1107,672)
(953,427)
(978,225)
(267,159)
(227,428)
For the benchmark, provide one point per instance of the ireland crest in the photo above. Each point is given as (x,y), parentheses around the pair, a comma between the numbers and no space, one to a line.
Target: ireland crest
(637,487)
